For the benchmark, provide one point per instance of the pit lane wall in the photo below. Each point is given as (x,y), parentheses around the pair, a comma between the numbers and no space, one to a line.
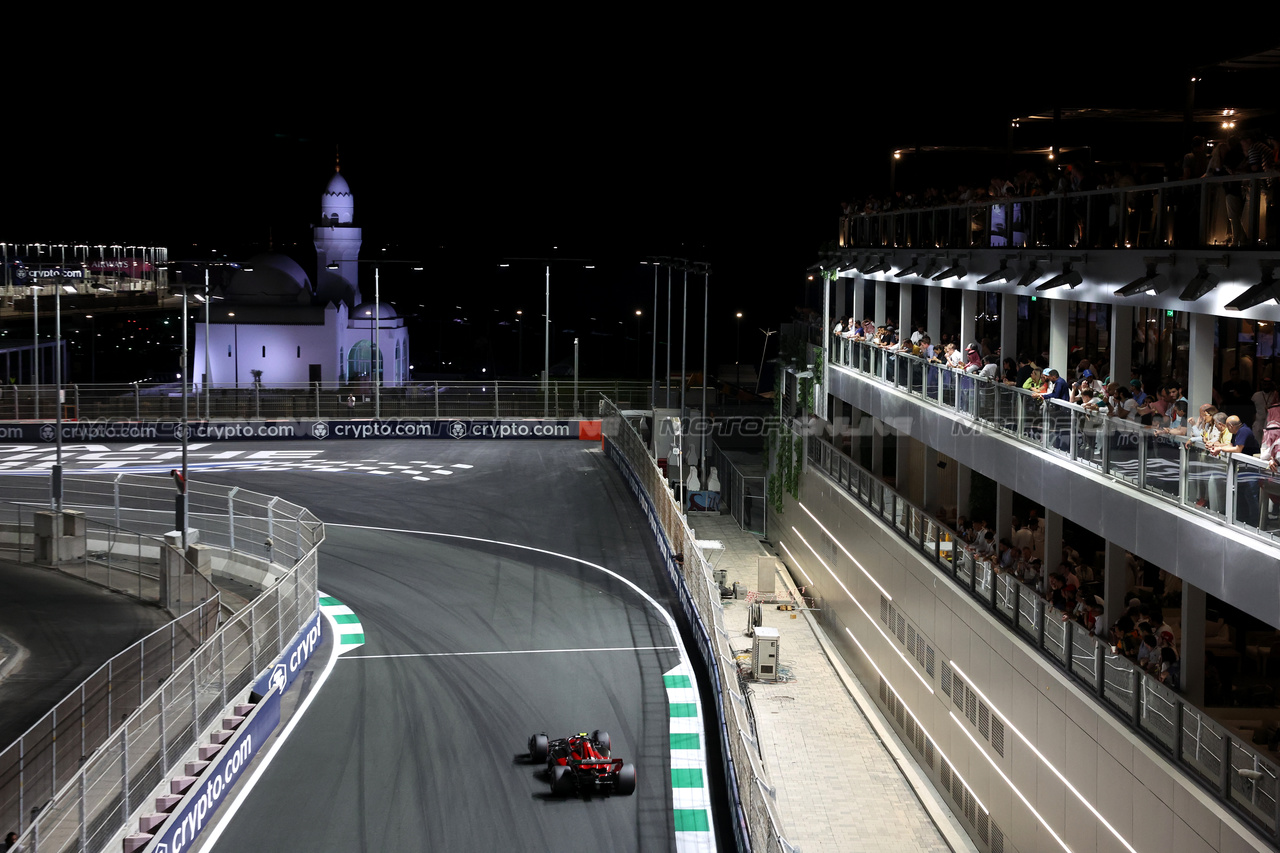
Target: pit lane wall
(291,430)
(755,820)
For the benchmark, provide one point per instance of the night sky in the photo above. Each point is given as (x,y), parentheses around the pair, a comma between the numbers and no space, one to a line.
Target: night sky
(734,154)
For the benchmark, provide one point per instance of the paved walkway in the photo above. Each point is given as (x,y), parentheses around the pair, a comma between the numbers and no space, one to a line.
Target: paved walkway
(866,793)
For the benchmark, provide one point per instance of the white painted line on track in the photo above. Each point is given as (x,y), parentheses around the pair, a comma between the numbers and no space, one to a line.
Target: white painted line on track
(243,794)
(694,831)
(513,652)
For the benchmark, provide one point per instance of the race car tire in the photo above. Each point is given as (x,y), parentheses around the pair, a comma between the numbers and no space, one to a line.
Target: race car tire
(561,779)
(626,783)
(602,740)
(538,749)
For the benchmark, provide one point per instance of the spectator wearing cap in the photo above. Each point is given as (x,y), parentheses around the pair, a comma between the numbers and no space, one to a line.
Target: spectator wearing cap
(1058,388)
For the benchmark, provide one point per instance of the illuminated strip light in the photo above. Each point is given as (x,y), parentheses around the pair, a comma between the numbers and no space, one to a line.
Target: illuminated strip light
(1008,782)
(892,643)
(1045,761)
(796,562)
(839,544)
(936,748)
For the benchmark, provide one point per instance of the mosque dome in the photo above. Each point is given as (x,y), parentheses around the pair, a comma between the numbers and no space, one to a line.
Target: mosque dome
(337,204)
(366,311)
(269,278)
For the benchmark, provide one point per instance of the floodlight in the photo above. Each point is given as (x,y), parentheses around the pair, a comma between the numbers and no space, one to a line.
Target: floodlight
(954,271)
(1001,275)
(930,268)
(850,263)
(1029,277)
(1068,276)
(1256,295)
(1203,282)
(909,269)
(881,265)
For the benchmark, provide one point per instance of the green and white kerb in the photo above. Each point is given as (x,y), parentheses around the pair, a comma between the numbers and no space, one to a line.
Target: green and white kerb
(689,795)
(350,633)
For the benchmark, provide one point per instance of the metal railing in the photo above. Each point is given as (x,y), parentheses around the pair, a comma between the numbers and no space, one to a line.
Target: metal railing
(752,792)
(73,779)
(121,560)
(1181,732)
(335,401)
(1200,213)
(1232,489)
(745,496)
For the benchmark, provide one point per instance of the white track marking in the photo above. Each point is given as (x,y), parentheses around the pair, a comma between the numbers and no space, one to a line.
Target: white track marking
(512,652)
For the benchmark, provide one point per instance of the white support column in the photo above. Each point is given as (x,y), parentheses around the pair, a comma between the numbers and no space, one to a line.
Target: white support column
(964,485)
(933,323)
(1052,542)
(882,303)
(859,311)
(1200,366)
(1003,522)
(930,487)
(840,297)
(968,313)
(1059,311)
(907,465)
(906,324)
(877,446)
(1008,328)
(1192,652)
(1121,346)
(1115,583)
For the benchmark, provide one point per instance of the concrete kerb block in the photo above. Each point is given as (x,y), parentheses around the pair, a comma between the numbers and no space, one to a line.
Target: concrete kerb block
(59,537)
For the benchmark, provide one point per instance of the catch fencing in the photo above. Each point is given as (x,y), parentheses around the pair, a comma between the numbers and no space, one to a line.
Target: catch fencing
(74,778)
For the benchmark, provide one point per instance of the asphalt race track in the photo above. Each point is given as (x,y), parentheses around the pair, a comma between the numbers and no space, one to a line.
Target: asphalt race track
(419,752)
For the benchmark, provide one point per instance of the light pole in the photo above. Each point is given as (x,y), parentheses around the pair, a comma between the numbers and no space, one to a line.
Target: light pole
(57,375)
(653,379)
(706,308)
(546,319)
(35,316)
(520,354)
(377,337)
(181,500)
(93,348)
(737,350)
(639,340)
(763,350)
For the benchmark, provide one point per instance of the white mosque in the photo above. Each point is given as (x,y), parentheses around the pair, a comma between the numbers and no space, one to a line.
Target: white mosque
(269,323)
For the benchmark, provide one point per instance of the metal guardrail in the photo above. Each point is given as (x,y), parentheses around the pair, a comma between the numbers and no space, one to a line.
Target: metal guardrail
(1181,732)
(1198,213)
(1233,489)
(753,790)
(75,777)
(462,399)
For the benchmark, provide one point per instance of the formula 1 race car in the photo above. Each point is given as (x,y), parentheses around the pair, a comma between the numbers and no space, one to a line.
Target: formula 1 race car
(581,764)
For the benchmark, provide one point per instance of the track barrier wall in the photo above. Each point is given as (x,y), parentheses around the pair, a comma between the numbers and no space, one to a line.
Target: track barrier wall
(756,824)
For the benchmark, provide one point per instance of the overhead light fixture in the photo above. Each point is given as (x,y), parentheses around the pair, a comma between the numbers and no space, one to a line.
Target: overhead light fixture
(849,263)
(1203,282)
(1068,276)
(1001,275)
(930,268)
(955,271)
(814,267)
(1266,289)
(910,269)
(881,265)
(1029,277)
(1149,282)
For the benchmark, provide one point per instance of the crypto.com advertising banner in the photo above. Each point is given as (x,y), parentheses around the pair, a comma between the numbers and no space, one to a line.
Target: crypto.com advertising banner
(107,430)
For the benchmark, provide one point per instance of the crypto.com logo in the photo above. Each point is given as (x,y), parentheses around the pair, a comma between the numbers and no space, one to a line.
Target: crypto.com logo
(279,678)
(458,429)
(48,433)
(320,429)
